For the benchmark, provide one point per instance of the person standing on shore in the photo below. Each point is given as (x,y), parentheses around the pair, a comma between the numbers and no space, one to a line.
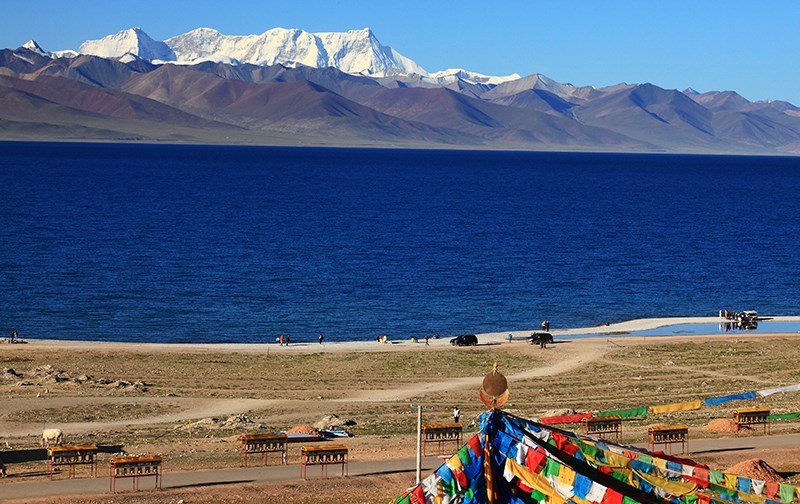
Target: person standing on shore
(426,339)
(321,338)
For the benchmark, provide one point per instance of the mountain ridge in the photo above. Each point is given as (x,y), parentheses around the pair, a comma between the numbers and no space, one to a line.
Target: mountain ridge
(257,91)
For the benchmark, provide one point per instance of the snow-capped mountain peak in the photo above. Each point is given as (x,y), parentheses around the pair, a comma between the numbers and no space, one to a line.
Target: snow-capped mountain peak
(357,52)
(354,51)
(32,45)
(134,41)
(453,74)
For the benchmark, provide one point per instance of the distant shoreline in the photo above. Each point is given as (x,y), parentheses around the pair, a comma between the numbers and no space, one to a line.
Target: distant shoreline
(616,330)
(327,144)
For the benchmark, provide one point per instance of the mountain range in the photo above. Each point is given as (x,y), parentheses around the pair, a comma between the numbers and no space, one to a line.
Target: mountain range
(291,87)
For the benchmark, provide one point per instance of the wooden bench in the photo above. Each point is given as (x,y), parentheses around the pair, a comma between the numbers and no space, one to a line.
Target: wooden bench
(323,456)
(135,467)
(751,416)
(262,444)
(72,456)
(441,434)
(668,435)
(602,425)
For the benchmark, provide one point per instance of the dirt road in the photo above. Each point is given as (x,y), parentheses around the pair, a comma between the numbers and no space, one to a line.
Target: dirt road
(87,487)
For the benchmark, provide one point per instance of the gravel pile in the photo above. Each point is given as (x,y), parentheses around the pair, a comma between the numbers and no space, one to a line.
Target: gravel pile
(720,425)
(756,469)
(303,429)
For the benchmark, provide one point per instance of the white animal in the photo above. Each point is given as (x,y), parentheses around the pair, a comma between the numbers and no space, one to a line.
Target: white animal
(54,435)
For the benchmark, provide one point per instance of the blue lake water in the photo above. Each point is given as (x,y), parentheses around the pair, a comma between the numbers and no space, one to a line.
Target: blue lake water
(208,243)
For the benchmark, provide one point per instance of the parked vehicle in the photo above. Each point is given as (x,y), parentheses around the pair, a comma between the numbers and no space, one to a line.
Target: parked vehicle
(464,340)
(538,338)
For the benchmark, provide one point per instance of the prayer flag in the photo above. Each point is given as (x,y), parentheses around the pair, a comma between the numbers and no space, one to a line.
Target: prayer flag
(713,401)
(681,406)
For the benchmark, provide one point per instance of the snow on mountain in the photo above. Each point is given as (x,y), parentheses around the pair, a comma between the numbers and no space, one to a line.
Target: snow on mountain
(66,53)
(539,82)
(452,74)
(214,58)
(133,41)
(271,47)
(33,46)
(354,52)
(359,51)
(128,57)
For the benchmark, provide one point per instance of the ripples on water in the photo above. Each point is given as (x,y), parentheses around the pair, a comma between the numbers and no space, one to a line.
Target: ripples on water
(187,243)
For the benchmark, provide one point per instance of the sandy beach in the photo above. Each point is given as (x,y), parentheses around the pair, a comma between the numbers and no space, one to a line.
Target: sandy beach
(608,330)
(190,402)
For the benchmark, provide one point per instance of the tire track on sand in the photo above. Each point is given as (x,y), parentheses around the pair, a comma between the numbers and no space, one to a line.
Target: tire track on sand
(196,408)
(579,355)
(193,408)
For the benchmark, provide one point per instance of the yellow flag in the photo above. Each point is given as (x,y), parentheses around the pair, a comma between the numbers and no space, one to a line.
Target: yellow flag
(681,406)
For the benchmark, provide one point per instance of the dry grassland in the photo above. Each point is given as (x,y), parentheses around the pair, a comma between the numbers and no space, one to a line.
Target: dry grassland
(300,387)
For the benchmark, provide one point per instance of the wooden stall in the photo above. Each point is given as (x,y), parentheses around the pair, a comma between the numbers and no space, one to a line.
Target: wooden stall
(751,416)
(72,456)
(668,435)
(262,444)
(603,426)
(135,467)
(441,434)
(323,456)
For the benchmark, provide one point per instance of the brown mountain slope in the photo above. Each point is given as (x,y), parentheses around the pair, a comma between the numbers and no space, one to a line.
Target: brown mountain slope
(537,99)
(756,130)
(446,108)
(297,106)
(88,98)
(26,115)
(21,61)
(652,114)
(330,78)
(723,100)
(96,71)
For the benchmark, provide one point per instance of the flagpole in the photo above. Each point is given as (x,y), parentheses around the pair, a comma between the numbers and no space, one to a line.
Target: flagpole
(419,438)
(419,444)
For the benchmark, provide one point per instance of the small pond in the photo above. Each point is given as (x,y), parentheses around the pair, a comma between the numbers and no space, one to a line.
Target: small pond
(689,329)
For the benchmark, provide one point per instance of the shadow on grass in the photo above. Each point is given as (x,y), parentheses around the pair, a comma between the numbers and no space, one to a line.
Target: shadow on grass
(210,484)
(723,450)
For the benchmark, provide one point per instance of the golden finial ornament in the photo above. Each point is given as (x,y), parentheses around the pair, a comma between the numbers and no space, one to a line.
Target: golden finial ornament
(494,391)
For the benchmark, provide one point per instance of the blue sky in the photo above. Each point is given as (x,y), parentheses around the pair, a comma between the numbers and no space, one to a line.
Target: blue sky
(747,46)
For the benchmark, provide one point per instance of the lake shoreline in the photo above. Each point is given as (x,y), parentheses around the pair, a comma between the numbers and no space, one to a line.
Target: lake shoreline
(616,330)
